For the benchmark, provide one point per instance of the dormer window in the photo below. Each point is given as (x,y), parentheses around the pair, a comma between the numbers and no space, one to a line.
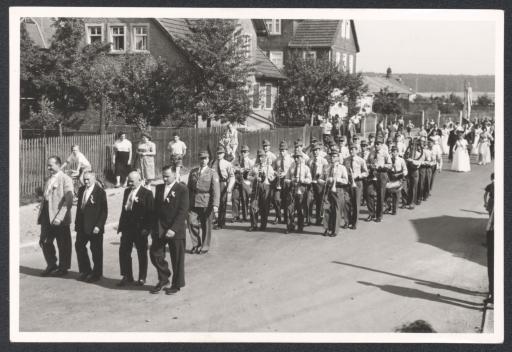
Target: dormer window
(273,26)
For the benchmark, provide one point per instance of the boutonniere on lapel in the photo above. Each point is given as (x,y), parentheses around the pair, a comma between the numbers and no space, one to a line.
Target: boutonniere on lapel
(135,199)
(171,195)
(91,198)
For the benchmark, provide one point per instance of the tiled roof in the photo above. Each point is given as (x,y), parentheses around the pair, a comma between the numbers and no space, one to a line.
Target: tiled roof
(265,68)
(315,33)
(176,27)
(40,30)
(376,83)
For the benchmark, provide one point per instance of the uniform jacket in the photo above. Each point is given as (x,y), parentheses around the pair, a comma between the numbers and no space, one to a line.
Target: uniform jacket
(60,198)
(172,211)
(141,216)
(94,213)
(204,189)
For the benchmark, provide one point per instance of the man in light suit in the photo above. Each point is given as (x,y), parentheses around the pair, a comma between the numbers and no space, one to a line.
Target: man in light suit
(171,209)
(135,224)
(91,215)
(204,194)
(55,219)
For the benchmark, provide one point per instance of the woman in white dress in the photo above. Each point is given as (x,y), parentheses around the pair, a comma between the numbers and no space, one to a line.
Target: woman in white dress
(477,132)
(445,132)
(484,150)
(436,148)
(146,151)
(460,161)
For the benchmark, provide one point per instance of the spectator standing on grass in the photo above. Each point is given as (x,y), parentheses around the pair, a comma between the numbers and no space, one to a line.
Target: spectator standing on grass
(146,151)
(55,219)
(91,215)
(122,158)
(78,163)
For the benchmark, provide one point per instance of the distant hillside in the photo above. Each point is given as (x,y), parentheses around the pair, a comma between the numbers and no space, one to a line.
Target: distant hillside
(444,83)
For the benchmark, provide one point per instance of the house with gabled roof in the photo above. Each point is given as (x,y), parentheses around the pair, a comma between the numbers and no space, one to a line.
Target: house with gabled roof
(159,37)
(333,39)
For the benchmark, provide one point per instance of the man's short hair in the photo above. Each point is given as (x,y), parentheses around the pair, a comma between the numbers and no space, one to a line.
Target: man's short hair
(75,145)
(169,167)
(57,159)
(89,172)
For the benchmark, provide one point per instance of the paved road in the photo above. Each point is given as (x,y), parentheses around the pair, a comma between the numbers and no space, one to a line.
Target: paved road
(428,264)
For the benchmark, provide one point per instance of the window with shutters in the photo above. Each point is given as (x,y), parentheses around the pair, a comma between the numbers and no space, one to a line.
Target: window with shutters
(256,96)
(268,96)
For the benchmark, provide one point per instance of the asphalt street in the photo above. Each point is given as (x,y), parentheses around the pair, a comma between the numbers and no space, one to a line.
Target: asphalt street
(428,263)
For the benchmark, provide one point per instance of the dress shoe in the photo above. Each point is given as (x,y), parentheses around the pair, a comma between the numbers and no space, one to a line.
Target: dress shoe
(217,227)
(333,234)
(171,290)
(344,226)
(352,226)
(203,251)
(198,250)
(48,271)
(60,272)
(393,213)
(193,250)
(326,233)
(140,282)
(378,220)
(83,277)
(251,229)
(125,281)
(369,218)
(411,207)
(159,286)
(263,228)
(93,278)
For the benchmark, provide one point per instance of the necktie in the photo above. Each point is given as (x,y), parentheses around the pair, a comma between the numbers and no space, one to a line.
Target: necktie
(84,200)
(129,203)
(218,169)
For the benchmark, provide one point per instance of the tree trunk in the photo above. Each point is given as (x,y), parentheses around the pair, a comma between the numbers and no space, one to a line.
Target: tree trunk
(103,113)
(209,122)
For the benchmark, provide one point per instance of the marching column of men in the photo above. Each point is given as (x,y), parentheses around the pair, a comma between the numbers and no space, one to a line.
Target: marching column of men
(329,186)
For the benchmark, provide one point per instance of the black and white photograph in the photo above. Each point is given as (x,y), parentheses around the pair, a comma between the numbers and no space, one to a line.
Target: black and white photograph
(256,175)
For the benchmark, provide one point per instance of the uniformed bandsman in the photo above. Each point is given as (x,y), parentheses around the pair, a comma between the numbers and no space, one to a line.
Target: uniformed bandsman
(242,188)
(281,166)
(428,165)
(364,154)
(297,179)
(226,175)
(414,162)
(379,162)
(297,149)
(204,193)
(343,146)
(358,171)
(397,177)
(269,156)
(316,164)
(261,176)
(335,177)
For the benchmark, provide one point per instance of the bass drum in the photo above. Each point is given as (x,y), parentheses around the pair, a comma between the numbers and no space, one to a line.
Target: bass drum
(413,146)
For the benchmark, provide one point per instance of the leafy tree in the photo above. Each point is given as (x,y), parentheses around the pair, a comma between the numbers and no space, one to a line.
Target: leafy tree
(30,65)
(44,118)
(387,103)
(484,101)
(308,90)
(217,48)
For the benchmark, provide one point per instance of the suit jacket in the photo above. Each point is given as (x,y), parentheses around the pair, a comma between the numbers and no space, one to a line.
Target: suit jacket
(60,199)
(204,190)
(172,211)
(94,213)
(141,216)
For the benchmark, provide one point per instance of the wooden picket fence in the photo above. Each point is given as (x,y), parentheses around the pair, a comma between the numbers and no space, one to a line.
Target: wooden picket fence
(98,149)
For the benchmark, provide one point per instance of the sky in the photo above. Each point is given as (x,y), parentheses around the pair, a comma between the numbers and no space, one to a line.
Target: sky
(431,47)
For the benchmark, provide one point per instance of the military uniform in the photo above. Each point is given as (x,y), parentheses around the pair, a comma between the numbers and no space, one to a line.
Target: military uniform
(379,161)
(204,193)
(281,166)
(335,198)
(261,176)
(298,178)
(242,188)
(358,171)
(397,175)
(413,164)
(316,164)
(226,175)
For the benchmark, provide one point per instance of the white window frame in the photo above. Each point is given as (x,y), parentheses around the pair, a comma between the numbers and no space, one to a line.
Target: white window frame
(305,53)
(256,104)
(111,37)
(133,35)
(273,25)
(347,30)
(87,34)
(266,107)
(272,54)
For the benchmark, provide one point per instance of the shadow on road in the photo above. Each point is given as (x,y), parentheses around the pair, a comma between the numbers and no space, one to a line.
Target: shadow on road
(458,235)
(73,275)
(418,281)
(278,230)
(415,293)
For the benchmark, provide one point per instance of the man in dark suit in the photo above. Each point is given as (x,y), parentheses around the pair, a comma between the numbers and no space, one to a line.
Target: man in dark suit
(171,209)
(135,224)
(452,139)
(91,215)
